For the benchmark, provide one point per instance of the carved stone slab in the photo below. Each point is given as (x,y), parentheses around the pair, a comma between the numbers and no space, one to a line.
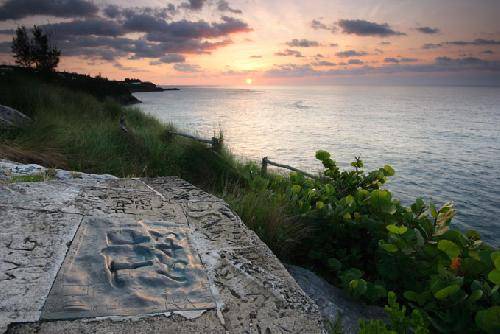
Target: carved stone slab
(120,266)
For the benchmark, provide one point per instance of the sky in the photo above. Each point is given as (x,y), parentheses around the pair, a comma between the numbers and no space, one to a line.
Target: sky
(269,42)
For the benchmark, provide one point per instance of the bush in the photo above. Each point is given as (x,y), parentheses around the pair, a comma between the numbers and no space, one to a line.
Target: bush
(368,243)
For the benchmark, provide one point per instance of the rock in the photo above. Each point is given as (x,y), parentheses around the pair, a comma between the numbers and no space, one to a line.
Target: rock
(334,302)
(8,169)
(10,117)
(69,246)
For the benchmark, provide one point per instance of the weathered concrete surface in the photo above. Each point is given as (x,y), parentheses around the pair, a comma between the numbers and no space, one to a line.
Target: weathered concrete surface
(10,117)
(8,169)
(333,302)
(252,291)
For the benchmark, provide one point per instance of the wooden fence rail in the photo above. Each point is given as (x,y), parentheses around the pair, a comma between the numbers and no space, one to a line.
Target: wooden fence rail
(215,142)
(266,162)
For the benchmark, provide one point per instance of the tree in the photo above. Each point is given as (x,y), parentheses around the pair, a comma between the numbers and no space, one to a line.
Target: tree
(21,47)
(35,51)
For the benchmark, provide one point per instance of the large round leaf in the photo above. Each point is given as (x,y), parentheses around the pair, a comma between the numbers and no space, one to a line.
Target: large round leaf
(489,320)
(396,229)
(494,276)
(449,247)
(446,292)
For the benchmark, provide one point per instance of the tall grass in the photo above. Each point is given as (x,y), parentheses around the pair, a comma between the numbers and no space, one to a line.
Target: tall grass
(76,131)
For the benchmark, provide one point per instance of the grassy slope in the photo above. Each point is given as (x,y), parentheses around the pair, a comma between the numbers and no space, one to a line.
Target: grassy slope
(76,131)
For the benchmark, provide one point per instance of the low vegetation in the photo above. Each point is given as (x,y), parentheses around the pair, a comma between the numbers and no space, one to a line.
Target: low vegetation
(343,225)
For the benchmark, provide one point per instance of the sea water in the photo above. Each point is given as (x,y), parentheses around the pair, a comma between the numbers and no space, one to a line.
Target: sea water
(443,142)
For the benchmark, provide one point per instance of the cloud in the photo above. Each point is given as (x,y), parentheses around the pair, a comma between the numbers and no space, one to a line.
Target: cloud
(477,41)
(427,30)
(193,4)
(256,57)
(188,68)
(91,26)
(324,63)
(350,53)
(18,9)
(399,60)
(223,6)
(317,25)
(238,73)
(367,28)
(441,64)
(161,37)
(159,30)
(169,59)
(467,62)
(291,70)
(127,68)
(289,52)
(302,43)
(112,11)
(385,43)
(116,12)
(355,62)
(429,46)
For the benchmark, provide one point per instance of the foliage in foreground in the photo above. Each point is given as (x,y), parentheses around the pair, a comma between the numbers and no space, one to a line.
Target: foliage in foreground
(368,243)
(342,225)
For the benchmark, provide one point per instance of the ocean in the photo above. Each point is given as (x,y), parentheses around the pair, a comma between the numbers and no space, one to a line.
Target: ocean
(443,142)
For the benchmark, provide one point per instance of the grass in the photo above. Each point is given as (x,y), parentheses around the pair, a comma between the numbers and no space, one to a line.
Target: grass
(76,131)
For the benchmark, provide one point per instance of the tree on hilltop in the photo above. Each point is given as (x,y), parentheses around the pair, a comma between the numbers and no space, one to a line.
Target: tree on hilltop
(35,51)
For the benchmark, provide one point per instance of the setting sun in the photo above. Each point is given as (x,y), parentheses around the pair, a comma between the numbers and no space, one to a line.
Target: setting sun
(248,81)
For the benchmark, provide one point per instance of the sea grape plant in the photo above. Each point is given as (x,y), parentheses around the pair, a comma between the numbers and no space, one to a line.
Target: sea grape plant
(369,243)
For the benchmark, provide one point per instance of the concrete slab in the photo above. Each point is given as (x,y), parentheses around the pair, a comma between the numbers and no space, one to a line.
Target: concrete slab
(223,279)
(127,267)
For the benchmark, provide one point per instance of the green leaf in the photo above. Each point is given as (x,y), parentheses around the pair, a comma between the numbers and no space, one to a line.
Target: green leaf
(411,296)
(494,276)
(448,291)
(388,170)
(418,206)
(473,235)
(296,189)
(322,155)
(443,218)
(489,320)
(381,200)
(320,205)
(334,264)
(358,286)
(419,237)
(475,295)
(388,247)
(349,200)
(396,229)
(349,275)
(449,247)
(495,257)
(433,210)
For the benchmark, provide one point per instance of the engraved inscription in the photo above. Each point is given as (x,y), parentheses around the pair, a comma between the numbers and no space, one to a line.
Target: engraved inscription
(127,267)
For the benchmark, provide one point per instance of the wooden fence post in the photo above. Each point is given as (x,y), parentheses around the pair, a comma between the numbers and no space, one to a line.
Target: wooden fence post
(216,144)
(263,170)
(123,125)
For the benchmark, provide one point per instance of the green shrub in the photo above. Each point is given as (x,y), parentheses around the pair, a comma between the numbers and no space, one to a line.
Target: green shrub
(368,243)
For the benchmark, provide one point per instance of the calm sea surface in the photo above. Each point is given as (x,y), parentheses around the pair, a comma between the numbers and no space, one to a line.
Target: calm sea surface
(443,142)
